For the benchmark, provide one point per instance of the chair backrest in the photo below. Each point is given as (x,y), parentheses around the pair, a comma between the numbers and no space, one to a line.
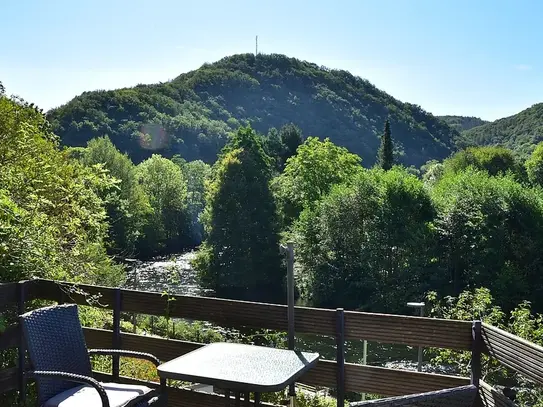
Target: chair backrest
(463,396)
(55,342)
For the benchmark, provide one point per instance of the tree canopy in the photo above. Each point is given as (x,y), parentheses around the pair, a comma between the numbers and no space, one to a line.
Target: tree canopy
(240,256)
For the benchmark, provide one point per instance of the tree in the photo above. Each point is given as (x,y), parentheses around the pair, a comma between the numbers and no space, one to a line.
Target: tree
(490,230)
(165,185)
(310,174)
(127,205)
(495,160)
(365,245)
(534,166)
(52,219)
(291,138)
(385,157)
(196,173)
(240,256)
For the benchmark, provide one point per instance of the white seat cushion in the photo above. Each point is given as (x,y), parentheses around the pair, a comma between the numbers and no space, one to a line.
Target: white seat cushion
(87,396)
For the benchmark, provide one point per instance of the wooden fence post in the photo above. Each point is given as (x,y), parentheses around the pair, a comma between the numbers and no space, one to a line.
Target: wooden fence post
(476,353)
(21,360)
(340,348)
(116,333)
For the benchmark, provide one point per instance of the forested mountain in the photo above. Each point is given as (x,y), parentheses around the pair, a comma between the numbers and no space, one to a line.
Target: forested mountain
(463,123)
(520,132)
(194,114)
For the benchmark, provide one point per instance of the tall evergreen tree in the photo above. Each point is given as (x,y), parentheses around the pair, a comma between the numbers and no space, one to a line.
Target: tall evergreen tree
(385,157)
(240,257)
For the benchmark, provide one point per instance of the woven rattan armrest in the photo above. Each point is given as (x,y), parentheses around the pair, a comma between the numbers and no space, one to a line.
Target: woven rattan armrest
(72,378)
(127,353)
(131,354)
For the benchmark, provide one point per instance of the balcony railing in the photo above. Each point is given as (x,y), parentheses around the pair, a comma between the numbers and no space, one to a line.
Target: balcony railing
(513,352)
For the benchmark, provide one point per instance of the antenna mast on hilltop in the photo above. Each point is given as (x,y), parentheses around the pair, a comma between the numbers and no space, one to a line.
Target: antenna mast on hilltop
(256,46)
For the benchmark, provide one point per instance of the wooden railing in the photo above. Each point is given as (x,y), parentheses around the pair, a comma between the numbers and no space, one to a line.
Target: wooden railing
(343,325)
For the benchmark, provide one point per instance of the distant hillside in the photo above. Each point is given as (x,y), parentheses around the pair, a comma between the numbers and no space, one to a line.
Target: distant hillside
(462,123)
(193,114)
(520,132)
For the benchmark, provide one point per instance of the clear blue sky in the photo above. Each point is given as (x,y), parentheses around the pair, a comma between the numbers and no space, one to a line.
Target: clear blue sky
(469,57)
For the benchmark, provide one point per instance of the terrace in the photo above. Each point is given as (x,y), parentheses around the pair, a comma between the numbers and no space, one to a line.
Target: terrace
(478,338)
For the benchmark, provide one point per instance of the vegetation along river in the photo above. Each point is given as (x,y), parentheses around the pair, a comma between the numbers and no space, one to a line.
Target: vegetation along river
(174,274)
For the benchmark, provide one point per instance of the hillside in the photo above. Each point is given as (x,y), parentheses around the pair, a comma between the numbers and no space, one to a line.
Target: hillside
(462,123)
(194,114)
(520,132)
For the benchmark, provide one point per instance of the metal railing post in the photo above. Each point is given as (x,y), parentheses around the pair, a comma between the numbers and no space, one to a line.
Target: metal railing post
(290,305)
(476,352)
(21,357)
(340,358)
(116,333)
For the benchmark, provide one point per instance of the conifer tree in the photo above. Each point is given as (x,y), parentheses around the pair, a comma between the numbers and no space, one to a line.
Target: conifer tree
(385,157)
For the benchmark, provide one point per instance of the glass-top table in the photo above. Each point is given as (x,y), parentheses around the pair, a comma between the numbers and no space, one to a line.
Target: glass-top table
(240,368)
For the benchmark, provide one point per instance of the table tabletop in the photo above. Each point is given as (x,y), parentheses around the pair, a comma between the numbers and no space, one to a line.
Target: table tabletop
(239,367)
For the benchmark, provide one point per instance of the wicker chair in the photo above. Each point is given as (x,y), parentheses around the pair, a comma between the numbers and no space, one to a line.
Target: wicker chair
(463,396)
(62,369)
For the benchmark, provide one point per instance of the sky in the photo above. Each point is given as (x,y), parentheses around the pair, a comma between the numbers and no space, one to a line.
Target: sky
(467,57)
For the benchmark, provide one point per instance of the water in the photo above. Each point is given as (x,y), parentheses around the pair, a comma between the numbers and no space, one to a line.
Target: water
(174,274)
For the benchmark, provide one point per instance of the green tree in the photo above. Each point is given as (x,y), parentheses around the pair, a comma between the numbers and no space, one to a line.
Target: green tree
(291,138)
(310,174)
(385,155)
(196,173)
(366,245)
(490,230)
(165,185)
(534,166)
(127,205)
(52,220)
(240,256)
(493,159)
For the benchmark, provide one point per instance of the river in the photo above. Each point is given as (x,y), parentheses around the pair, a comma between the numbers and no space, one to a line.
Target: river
(174,274)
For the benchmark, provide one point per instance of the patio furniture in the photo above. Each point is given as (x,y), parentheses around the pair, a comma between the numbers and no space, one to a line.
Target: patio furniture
(240,368)
(463,396)
(62,369)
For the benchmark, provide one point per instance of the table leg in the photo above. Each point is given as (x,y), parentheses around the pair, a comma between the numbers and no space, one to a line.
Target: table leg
(237,399)
(247,399)
(257,399)
(226,398)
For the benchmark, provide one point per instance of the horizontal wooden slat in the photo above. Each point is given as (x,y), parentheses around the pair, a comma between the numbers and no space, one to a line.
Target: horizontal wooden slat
(81,294)
(516,353)
(229,312)
(164,349)
(8,379)
(10,338)
(8,293)
(387,328)
(379,380)
(98,338)
(490,397)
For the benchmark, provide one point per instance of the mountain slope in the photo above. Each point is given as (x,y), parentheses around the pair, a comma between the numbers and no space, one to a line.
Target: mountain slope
(193,114)
(520,132)
(462,123)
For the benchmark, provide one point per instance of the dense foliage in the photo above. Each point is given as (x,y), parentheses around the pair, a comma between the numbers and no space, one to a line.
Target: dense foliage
(240,256)
(128,205)
(364,245)
(52,219)
(462,123)
(520,132)
(194,114)
(494,160)
(310,175)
